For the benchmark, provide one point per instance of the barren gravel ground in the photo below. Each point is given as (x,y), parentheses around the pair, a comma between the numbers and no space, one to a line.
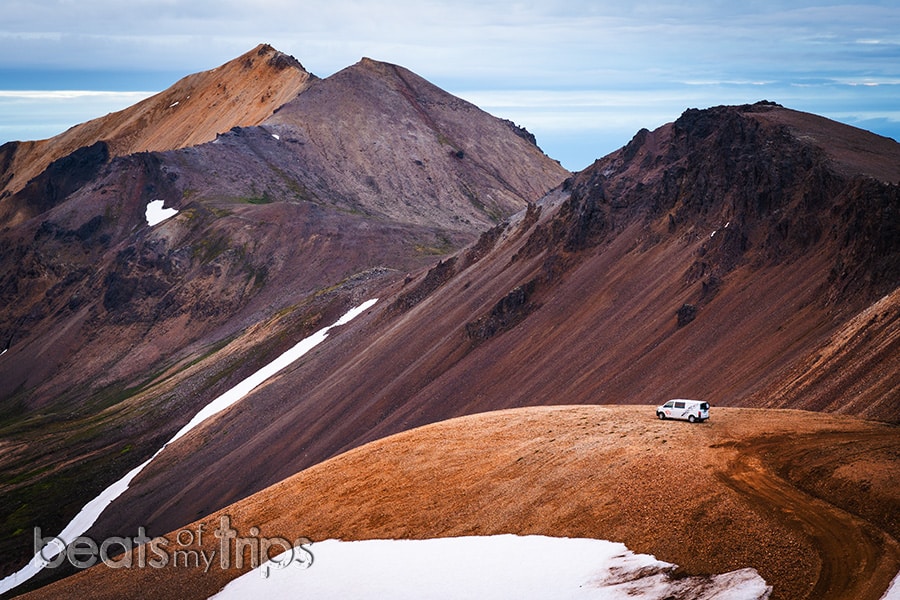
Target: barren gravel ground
(809,500)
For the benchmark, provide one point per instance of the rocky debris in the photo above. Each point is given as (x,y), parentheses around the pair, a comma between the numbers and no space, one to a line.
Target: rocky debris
(508,312)
(436,276)
(686,314)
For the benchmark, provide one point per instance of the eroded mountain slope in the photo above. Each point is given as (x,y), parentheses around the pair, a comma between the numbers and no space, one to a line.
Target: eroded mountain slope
(119,331)
(705,259)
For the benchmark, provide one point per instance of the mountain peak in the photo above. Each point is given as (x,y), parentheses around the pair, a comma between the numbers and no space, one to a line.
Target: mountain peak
(851,151)
(277,59)
(242,92)
(372,67)
(392,129)
(365,61)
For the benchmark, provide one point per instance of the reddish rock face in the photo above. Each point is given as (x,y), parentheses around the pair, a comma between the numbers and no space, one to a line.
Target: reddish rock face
(194,110)
(785,247)
(576,301)
(283,222)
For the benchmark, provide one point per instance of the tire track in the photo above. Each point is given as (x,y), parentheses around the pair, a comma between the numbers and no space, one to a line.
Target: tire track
(858,561)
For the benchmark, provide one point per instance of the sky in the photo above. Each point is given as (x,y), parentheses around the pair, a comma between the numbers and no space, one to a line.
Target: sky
(582,75)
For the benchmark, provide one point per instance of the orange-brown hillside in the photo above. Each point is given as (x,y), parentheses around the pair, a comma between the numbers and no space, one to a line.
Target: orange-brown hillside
(242,92)
(807,499)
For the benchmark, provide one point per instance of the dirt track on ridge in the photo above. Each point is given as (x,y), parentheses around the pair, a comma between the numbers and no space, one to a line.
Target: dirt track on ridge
(856,559)
(808,500)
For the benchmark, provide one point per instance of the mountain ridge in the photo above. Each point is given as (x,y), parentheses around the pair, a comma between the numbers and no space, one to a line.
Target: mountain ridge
(121,330)
(728,255)
(191,111)
(576,300)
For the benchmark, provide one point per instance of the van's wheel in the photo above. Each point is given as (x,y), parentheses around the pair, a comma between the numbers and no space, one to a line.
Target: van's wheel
(692,419)
(662,416)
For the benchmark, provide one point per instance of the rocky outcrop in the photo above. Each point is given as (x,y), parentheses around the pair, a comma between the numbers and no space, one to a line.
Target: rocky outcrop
(760,194)
(686,314)
(62,177)
(436,276)
(508,312)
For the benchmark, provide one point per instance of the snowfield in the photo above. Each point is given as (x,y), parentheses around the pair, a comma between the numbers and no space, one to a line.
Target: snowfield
(92,510)
(502,566)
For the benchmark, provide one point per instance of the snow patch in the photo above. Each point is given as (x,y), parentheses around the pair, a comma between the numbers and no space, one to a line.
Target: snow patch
(276,136)
(92,510)
(490,567)
(156,214)
(893,591)
(174,104)
(253,381)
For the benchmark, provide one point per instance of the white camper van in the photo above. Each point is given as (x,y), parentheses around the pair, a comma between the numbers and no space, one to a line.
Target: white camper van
(695,411)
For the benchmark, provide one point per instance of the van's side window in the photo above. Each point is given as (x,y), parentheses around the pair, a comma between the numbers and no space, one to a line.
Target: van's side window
(679,405)
(668,404)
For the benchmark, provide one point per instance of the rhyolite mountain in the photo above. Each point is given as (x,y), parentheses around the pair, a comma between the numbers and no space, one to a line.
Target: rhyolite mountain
(242,92)
(291,208)
(746,255)
(732,255)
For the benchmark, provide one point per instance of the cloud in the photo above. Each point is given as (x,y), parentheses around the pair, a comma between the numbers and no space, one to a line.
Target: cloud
(116,97)
(579,63)
(561,42)
(30,115)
